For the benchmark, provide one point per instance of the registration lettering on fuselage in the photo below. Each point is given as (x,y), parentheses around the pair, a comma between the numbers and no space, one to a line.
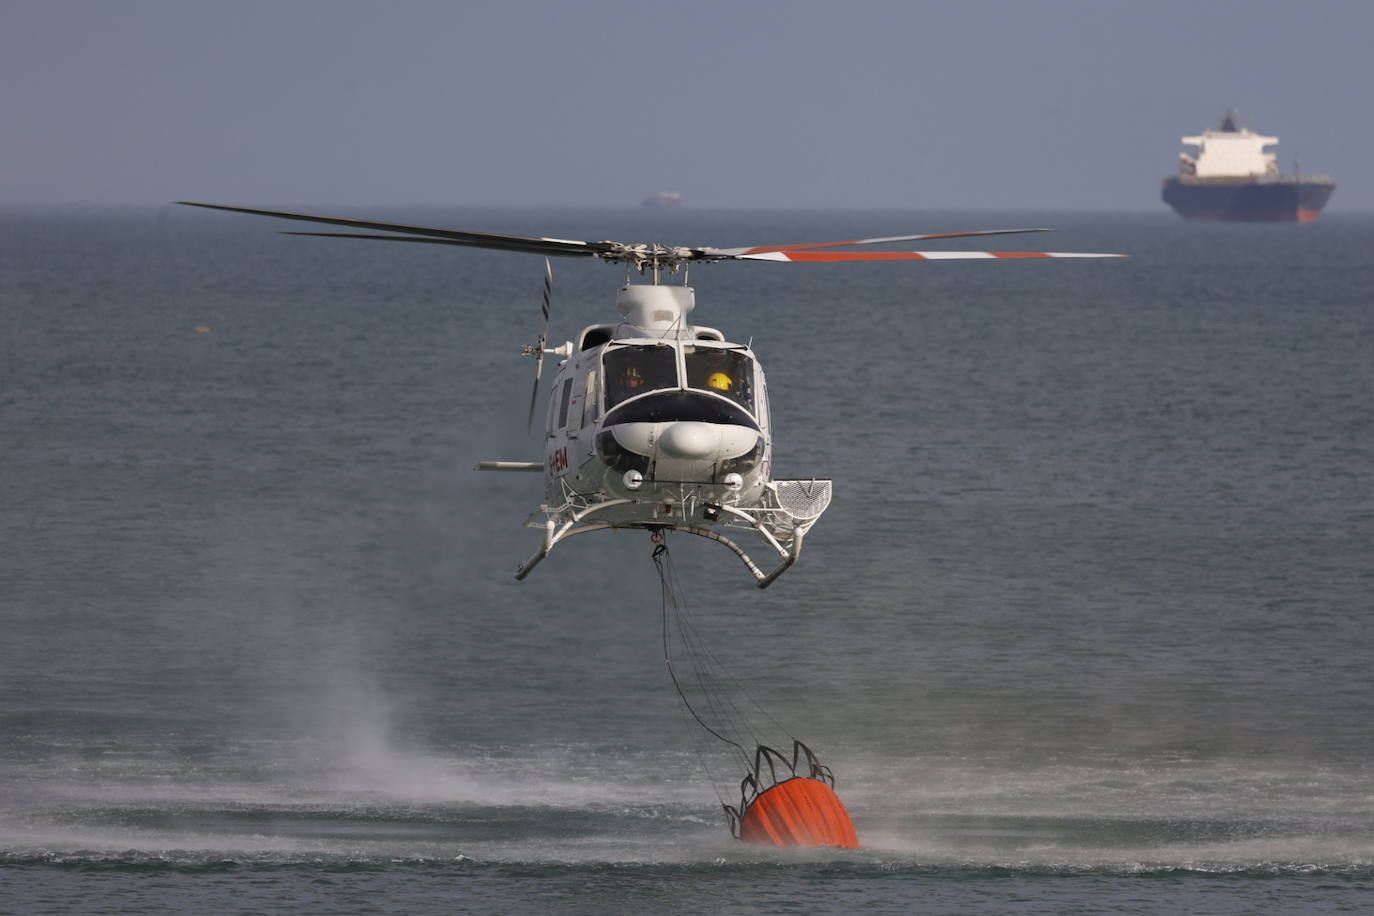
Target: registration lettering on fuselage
(558,460)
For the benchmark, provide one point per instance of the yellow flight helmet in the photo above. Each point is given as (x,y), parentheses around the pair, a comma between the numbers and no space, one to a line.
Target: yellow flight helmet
(719,381)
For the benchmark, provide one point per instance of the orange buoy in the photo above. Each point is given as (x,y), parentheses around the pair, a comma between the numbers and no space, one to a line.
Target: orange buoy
(798,812)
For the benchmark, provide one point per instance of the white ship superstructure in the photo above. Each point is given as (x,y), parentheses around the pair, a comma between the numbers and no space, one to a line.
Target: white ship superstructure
(1229,152)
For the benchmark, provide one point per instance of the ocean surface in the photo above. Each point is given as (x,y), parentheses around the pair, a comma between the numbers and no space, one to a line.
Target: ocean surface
(1087,628)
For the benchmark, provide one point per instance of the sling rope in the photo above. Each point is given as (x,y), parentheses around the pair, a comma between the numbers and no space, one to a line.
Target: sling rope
(716,712)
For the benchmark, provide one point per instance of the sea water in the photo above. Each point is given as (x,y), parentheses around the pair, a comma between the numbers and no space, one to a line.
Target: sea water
(1086,629)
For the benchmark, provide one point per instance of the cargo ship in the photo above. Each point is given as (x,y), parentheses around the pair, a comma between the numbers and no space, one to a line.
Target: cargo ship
(1232,178)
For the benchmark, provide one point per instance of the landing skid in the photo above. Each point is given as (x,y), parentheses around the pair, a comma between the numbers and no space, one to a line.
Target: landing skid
(786,512)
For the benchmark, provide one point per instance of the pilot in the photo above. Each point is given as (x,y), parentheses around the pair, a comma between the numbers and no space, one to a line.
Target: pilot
(633,380)
(720,382)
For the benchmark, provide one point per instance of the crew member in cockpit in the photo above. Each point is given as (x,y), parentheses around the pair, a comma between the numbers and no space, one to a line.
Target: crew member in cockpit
(630,383)
(719,381)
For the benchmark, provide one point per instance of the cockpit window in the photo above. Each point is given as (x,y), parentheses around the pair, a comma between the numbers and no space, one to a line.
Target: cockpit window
(722,371)
(632,371)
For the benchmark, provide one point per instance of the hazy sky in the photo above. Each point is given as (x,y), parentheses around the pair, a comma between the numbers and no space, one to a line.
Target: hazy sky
(1058,104)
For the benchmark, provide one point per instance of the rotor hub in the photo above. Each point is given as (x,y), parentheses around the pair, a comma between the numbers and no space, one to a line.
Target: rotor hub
(645,255)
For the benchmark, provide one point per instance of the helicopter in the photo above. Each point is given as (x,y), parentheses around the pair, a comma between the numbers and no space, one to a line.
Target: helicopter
(652,422)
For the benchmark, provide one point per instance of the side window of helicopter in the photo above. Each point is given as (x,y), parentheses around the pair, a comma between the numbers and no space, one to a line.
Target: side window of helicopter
(589,403)
(721,371)
(631,371)
(563,403)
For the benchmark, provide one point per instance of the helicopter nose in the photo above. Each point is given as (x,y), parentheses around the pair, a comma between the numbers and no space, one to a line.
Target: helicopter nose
(687,439)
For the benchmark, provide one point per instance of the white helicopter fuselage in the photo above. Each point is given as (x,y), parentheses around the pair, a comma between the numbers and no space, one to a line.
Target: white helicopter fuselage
(653,420)
(658,424)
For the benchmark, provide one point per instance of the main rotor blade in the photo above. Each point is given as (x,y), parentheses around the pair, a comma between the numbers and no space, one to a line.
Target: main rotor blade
(533,249)
(761,249)
(814,256)
(449,236)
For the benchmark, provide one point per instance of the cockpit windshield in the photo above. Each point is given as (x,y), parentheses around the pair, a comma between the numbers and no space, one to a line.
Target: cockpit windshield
(728,372)
(633,370)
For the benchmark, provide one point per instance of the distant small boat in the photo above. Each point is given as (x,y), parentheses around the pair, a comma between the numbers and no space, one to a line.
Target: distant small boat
(1233,179)
(663,200)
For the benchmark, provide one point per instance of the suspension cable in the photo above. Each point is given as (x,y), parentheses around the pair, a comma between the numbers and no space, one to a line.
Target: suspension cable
(665,575)
(728,722)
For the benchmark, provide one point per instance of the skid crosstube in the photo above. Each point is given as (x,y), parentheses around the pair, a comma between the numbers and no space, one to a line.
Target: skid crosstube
(786,512)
